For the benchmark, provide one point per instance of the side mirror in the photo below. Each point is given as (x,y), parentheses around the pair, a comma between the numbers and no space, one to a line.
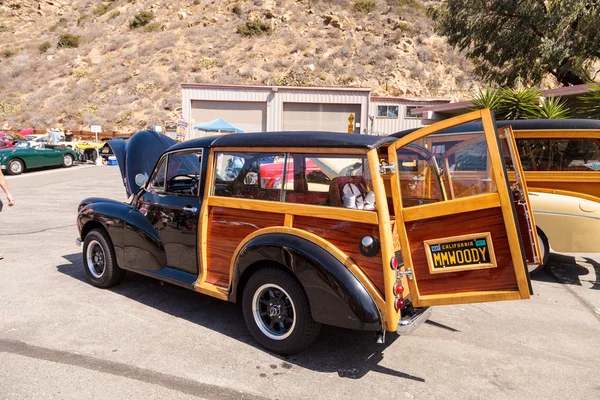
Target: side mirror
(141,179)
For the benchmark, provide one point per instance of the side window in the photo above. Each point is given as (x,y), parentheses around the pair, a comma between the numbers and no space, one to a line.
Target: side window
(336,181)
(574,155)
(534,154)
(183,173)
(249,175)
(157,182)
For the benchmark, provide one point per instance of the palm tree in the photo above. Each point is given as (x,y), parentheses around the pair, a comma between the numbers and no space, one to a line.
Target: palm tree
(591,102)
(554,108)
(519,104)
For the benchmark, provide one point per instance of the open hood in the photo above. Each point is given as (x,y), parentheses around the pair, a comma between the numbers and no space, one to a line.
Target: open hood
(139,155)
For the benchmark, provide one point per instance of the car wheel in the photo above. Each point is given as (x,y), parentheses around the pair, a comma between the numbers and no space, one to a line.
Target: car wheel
(15,167)
(67,161)
(277,312)
(99,260)
(544,252)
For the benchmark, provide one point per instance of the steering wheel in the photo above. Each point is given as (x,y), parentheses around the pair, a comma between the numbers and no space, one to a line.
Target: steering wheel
(194,179)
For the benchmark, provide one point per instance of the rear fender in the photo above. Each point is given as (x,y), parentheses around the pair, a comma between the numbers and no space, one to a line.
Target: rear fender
(336,296)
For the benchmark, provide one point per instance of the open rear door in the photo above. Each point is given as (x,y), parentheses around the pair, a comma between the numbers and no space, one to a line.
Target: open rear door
(460,243)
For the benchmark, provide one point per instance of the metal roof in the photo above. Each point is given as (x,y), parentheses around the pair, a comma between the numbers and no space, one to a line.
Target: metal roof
(289,139)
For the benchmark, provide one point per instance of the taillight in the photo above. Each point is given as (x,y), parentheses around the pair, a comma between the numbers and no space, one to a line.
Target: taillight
(398,289)
(394,263)
(399,304)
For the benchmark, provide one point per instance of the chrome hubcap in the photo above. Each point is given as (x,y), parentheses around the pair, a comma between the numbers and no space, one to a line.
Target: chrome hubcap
(274,312)
(15,167)
(95,259)
(67,160)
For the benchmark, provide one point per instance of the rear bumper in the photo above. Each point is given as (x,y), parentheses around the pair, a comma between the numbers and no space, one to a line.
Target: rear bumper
(3,167)
(408,325)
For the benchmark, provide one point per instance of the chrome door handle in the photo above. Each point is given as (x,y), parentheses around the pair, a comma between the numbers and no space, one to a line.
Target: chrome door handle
(191,209)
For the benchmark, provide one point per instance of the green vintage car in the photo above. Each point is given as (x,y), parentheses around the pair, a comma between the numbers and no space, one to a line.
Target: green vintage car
(15,160)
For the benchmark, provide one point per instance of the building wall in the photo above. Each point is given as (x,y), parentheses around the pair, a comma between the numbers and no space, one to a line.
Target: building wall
(385,125)
(203,103)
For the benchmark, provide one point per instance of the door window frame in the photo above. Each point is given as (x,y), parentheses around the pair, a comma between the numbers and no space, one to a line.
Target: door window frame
(165,158)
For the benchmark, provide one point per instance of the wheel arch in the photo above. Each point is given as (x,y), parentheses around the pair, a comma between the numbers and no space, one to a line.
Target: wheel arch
(336,296)
(19,159)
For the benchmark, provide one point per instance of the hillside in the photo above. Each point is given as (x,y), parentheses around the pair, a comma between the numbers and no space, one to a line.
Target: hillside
(125,77)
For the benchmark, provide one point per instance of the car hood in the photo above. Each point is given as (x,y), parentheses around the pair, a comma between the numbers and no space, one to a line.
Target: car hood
(139,155)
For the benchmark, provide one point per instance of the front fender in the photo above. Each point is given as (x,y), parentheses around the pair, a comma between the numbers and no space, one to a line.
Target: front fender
(136,242)
(336,296)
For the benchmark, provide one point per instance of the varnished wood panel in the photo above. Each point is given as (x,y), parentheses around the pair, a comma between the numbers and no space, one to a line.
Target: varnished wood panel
(346,236)
(227,227)
(489,220)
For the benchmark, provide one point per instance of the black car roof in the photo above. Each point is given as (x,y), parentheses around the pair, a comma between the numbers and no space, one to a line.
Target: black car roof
(289,139)
(520,125)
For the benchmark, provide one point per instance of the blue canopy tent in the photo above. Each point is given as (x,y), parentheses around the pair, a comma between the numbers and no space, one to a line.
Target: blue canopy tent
(218,125)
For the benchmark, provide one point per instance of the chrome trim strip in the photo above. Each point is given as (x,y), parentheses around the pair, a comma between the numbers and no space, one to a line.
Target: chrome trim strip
(565,213)
(408,326)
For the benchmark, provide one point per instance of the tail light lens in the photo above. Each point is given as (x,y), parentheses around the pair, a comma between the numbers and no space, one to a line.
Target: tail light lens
(398,289)
(399,304)
(394,263)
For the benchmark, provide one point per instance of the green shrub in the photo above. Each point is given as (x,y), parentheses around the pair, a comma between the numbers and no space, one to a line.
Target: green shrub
(554,108)
(68,41)
(62,23)
(114,14)
(153,27)
(237,10)
(102,9)
(365,6)
(140,19)
(44,47)
(591,102)
(254,27)
(81,19)
(6,53)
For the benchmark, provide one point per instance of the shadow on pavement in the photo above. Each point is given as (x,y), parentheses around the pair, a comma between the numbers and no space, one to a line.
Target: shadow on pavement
(352,354)
(565,269)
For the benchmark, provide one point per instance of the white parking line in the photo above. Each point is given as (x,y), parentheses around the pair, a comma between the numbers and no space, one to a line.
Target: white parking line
(52,171)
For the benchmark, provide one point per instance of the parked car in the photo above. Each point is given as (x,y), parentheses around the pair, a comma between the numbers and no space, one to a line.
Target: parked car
(106,150)
(18,159)
(359,234)
(561,165)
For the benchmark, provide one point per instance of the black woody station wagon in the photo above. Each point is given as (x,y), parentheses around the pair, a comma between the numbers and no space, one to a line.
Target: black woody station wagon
(311,228)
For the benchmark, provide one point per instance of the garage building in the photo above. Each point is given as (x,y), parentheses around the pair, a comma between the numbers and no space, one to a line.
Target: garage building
(293,108)
(277,108)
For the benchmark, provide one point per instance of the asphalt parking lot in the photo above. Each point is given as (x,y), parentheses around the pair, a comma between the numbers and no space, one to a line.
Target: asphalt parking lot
(62,338)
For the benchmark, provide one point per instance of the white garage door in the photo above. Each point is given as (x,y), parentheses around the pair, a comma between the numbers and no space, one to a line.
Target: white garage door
(248,116)
(319,117)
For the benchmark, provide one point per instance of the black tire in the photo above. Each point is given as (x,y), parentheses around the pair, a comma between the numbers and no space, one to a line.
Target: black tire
(99,260)
(289,302)
(15,167)
(68,160)
(544,250)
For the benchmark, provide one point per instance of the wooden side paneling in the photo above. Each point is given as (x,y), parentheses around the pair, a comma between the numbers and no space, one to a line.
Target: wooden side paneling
(489,220)
(346,236)
(227,227)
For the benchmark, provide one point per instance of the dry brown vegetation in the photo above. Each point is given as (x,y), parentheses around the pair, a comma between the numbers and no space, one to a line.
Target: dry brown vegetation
(132,55)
